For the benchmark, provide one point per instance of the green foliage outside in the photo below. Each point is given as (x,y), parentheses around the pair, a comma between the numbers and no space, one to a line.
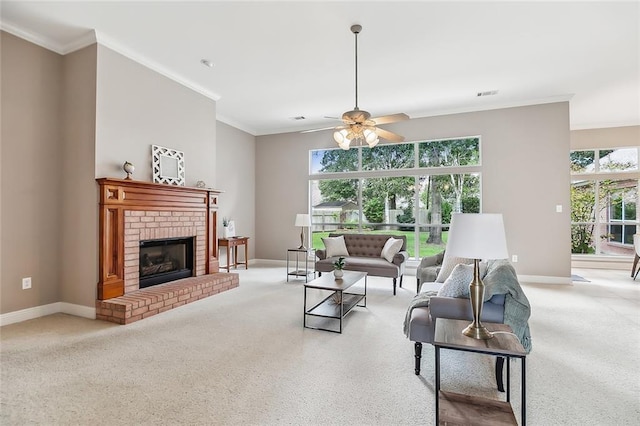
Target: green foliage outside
(425,249)
(471,205)
(583,201)
(374,210)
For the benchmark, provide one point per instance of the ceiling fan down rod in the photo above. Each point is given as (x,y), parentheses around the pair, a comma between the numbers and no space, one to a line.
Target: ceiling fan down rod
(355,29)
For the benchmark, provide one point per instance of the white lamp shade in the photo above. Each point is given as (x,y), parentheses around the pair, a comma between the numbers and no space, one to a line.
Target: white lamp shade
(477,236)
(303,219)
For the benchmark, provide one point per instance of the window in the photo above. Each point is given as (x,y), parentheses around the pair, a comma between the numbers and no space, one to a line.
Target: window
(604,200)
(409,189)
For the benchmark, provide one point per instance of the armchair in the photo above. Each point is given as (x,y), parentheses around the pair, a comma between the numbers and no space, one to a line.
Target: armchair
(427,271)
(636,257)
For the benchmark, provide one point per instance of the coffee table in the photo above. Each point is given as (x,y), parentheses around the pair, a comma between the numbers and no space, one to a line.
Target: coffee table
(329,307)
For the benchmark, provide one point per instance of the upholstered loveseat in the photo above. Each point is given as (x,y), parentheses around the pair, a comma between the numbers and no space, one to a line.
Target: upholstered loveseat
(364,253)
(505,302)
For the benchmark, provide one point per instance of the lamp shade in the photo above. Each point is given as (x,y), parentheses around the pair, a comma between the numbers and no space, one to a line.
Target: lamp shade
(303,219)
(477,236)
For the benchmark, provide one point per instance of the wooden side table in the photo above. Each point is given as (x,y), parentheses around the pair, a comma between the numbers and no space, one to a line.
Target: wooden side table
(455,408)
(234,243)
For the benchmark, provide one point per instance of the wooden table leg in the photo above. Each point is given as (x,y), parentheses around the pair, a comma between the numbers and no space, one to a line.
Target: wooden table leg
(228,259)
(246,255)
(635,263)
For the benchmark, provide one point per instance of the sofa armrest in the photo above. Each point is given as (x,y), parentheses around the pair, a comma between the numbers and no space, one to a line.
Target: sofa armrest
(321,254)
(400,258)
(450,307)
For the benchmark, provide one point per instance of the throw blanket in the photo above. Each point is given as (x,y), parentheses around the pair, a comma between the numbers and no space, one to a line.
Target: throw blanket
(420,300)
(501,278)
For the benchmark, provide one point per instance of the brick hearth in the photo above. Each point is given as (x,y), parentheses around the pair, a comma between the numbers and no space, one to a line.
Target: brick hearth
(150,301)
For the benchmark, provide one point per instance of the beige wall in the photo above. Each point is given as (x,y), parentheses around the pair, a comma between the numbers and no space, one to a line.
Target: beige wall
(236,176)
(525,175)
(613,137)
(31,173)
(137,107)
(79,195)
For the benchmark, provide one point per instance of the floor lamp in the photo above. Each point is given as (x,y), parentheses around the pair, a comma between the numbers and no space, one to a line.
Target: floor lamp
(477,236)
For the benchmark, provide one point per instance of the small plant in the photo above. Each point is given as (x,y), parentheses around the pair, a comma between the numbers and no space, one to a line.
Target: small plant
(225,221)
(339,264)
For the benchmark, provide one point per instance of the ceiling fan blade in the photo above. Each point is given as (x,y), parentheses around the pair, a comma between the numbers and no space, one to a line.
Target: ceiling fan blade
(385,119)
(390,136)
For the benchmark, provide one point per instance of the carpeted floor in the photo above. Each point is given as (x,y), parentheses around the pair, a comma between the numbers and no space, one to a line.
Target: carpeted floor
(242,357)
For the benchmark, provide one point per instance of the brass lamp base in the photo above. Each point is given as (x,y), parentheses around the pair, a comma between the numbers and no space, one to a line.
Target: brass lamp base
(477,332)
(302,247)
(476,296)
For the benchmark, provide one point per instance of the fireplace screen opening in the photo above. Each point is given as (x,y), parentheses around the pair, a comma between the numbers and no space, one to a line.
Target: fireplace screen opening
(167,260)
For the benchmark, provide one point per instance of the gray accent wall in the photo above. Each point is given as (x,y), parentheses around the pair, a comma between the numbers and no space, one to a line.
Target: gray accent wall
(525,174)
(236,177)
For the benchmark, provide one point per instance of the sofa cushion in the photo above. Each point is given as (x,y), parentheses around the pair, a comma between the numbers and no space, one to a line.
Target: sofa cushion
(375,266)
(457,284)
(448,264)
(335,246)
(391,248)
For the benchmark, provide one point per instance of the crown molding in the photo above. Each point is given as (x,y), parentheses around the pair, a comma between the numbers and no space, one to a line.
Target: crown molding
(493,106)
(233,123)
(32,37)
(93,36)
(143,60)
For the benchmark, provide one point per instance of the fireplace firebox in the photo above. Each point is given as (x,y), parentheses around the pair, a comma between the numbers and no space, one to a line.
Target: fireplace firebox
(165,260)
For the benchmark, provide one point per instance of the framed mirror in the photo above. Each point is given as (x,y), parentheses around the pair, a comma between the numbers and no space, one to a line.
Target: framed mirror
(167,165)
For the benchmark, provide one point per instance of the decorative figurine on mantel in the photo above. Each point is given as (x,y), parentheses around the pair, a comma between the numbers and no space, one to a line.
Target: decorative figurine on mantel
(128,168)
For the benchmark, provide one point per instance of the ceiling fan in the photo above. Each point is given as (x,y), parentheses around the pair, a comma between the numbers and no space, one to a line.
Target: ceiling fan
(358,125)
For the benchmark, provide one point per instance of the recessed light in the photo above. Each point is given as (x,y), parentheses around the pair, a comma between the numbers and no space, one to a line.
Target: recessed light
(206,63)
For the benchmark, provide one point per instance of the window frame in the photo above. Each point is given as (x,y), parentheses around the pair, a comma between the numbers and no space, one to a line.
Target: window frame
(415,171)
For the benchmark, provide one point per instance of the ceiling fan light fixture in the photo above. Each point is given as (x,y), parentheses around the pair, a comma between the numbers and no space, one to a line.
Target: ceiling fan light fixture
(358,126)
(371,137)
(340,135)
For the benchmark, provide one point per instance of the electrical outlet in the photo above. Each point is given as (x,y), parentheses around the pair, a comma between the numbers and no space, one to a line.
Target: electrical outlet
(26,283)
(514,258)
(559,208)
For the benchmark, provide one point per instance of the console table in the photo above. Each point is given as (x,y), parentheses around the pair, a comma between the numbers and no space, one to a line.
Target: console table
(455,408)
(234,243)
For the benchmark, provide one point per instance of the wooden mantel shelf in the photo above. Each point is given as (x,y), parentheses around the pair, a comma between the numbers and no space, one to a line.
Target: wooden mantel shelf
(118,195)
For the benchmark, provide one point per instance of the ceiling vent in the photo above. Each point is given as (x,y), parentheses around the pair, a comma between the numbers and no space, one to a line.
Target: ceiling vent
(488,93)
(299,117)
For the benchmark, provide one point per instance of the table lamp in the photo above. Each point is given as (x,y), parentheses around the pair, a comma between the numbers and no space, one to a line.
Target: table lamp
(477,236)
(303,221)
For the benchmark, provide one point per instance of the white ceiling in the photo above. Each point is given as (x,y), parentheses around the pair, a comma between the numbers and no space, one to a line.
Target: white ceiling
(275,60)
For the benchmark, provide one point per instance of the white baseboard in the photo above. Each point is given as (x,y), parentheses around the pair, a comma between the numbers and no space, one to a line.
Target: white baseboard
(78,310)
(541,279)
(44,310)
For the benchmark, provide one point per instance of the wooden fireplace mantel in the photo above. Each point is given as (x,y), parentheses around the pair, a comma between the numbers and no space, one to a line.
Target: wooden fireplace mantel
(118,195)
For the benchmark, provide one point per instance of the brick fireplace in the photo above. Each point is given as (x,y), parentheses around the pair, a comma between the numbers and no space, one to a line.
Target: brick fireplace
(132,212)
